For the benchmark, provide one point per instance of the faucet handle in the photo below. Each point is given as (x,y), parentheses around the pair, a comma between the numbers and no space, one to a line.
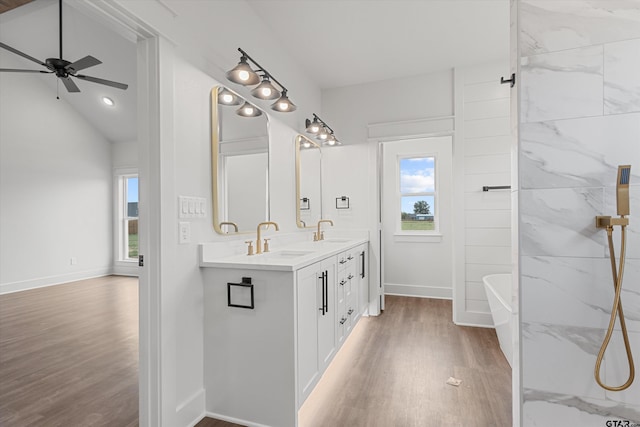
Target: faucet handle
(266,245)
(250,248)
(321,235)
(315,237)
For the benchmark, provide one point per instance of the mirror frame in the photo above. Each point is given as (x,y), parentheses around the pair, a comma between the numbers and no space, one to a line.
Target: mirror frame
(299,140)
(215,148)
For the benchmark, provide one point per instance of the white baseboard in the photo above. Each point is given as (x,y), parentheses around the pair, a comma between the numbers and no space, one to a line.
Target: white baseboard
(234,420)
(418,291)
(7,288)
(126,270)
(470,318)
(191,411)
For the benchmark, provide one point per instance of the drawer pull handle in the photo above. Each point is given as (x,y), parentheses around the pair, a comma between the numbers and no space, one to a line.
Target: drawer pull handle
(344,319)
(342,282)
(350,312)
(351,276)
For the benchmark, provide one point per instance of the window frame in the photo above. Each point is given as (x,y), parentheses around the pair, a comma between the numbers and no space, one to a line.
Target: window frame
(399,195)
(121,243)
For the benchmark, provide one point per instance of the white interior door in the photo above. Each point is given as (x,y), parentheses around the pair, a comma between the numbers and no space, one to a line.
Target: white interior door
(417,244)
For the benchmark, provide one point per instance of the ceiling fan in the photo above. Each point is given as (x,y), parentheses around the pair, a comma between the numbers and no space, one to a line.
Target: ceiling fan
(64,69)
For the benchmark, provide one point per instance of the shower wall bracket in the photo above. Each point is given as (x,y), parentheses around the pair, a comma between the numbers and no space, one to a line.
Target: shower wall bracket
(607,221)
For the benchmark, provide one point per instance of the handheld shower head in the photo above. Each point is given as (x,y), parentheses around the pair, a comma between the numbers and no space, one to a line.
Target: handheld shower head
(622,189)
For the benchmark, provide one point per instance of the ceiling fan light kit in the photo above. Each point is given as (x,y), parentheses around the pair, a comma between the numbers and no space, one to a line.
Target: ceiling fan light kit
(62,68)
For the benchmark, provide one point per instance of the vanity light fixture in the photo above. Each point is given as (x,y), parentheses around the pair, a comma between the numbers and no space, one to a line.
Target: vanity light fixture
(108,101)
(321,130)
(313,127)
(248,110)
(243,74)
(226,97)
(265,90)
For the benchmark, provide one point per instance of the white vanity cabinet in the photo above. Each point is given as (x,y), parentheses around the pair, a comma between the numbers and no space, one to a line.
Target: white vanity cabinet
(316,311)
(273,323)
(362,266)
(347,290)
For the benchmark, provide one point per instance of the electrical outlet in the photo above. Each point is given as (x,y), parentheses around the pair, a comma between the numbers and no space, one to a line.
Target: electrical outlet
(73,260)
(185,232)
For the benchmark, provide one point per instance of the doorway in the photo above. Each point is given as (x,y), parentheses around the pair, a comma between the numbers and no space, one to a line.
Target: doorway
(416,217)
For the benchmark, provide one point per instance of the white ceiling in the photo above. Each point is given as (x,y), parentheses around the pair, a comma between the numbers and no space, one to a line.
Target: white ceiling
(337,42)
(33,29)
(346,42)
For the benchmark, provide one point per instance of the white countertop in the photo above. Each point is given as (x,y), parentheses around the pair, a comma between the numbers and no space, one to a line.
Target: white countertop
(289,258)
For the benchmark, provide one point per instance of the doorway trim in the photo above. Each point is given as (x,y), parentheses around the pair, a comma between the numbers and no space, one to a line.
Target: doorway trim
(148,133)
(378,134)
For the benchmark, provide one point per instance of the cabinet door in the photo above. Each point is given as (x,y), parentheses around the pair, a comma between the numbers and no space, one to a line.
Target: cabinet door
(362,276)
(326,325)
(309,287)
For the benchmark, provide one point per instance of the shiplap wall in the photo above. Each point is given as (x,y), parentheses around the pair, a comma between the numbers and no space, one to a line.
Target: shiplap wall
(484,119)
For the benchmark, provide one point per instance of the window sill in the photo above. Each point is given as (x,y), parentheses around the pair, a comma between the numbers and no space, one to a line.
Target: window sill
(417,238)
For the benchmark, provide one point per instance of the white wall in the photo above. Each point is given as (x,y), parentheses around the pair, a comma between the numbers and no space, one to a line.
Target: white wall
(55,189)
(483,135)
(124,154)
(180,158)
(424,105)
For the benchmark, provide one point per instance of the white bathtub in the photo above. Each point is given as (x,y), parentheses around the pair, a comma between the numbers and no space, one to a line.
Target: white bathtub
(498,289)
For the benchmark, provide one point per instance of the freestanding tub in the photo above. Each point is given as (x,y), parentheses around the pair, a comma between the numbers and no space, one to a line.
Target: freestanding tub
(498,289)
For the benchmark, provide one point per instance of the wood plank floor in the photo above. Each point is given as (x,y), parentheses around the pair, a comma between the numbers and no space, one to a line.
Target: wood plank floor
(69,355)
(392,372)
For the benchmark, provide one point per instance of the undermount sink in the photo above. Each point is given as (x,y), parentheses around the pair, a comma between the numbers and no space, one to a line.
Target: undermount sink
(287,254)
(335,240)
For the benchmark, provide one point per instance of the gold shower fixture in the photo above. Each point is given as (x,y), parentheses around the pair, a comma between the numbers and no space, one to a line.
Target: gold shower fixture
(608,223)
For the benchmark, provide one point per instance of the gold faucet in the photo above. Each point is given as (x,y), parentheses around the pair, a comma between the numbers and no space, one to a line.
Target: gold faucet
(233,224)
(258,241)
(319,235)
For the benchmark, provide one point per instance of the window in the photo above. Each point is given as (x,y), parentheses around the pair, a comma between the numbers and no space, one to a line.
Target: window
(128,213)
(417,194)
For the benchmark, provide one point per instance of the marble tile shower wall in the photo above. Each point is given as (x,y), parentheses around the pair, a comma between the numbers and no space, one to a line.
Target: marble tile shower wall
(580,119)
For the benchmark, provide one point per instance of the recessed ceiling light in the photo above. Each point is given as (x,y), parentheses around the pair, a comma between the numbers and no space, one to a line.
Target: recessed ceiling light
(108,101)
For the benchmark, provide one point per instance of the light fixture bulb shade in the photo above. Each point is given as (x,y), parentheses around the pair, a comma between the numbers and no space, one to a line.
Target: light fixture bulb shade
(331,140)
(242,74)
(323,134)
(283,104)
(226,97)
(248,110)
(265,90)
(313,127)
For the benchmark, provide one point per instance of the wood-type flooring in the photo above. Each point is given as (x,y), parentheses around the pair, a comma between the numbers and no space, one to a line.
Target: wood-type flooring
(392,372)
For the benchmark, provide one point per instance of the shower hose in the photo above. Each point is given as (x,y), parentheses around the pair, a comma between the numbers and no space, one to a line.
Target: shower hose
(616,310)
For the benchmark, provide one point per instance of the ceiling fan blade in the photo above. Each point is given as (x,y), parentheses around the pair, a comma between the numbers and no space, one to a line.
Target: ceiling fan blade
(81,64)
(69,84)
(24,55)
(103,82)
(13,70)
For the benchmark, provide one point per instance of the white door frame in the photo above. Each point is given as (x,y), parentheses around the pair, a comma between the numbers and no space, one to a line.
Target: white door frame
(148,105)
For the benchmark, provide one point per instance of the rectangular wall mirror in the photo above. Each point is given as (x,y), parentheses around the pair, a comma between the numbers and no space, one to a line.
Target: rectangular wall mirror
(239,163)
(308,182)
